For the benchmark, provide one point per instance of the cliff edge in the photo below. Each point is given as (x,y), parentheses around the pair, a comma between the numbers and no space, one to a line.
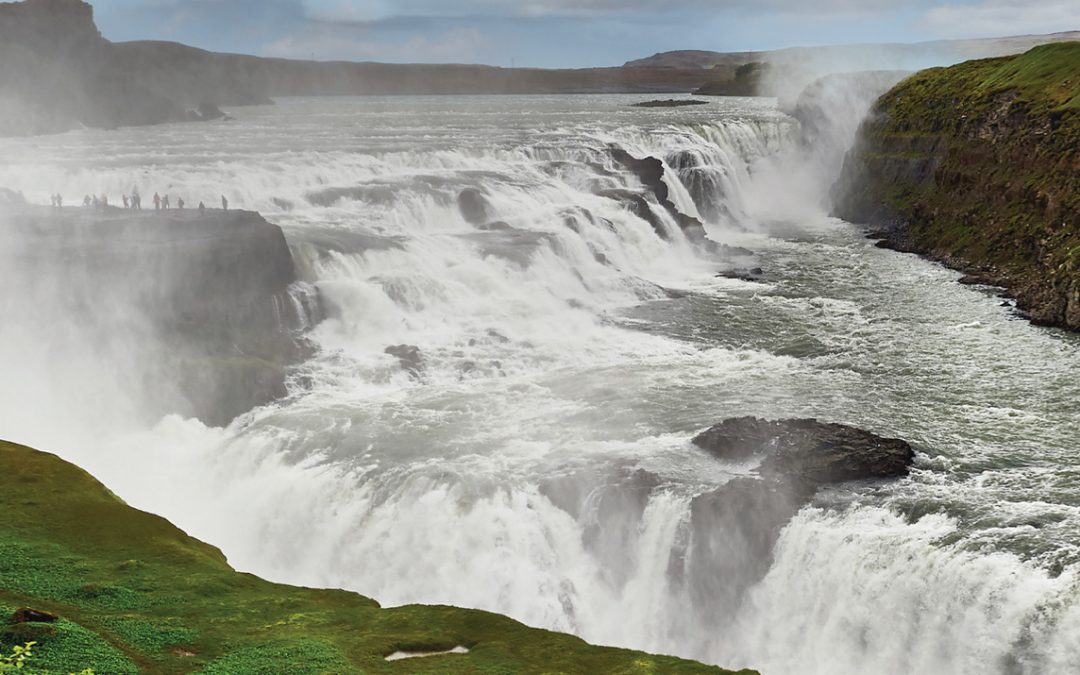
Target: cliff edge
(978,166)
(97,584)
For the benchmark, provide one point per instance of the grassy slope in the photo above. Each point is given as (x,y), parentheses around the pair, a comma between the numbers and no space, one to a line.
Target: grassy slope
(137,594)
(1004,134)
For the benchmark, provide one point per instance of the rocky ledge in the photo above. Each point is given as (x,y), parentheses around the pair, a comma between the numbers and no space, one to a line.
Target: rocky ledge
(201,300)
(808,452)
(736,526)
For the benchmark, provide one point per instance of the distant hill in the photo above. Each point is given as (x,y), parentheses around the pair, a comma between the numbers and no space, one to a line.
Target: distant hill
(59,73)
(880,55)
(786,72)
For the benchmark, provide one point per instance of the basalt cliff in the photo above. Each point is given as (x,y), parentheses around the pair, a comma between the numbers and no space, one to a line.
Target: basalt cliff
(978,166)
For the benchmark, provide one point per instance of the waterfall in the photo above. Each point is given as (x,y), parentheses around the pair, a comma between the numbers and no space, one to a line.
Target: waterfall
(512,344)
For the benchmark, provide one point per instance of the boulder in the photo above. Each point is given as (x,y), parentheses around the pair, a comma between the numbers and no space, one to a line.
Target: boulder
(410,357)
(474,206)
(27,615)
(808,452)
(743,274)
(210,111)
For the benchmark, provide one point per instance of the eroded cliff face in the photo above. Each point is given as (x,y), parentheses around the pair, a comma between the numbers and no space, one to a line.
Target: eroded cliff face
(978,166)
(59,73)
(194,310)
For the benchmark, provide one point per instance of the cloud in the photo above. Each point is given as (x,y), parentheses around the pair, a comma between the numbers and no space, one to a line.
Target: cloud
(1003,17)
(373,10)
(344,42)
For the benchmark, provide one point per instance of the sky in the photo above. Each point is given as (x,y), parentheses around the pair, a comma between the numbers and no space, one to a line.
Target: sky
(561,33)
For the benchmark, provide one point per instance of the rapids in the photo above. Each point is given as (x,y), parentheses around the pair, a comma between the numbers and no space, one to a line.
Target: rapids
(538,462)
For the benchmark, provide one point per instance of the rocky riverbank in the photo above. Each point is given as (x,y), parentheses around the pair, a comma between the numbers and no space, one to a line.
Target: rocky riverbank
(201,300)
(977,166)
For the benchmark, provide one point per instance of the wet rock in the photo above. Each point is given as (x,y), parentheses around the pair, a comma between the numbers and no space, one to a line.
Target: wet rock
(410,357)
(650,171)
(495,226)
(668,103)
(743,274)
(807,451)
(733,530)
(210,111)
(977,279)
(28,615)
(474,206)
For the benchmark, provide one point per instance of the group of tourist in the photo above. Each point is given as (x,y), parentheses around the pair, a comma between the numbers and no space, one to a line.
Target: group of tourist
(134,202)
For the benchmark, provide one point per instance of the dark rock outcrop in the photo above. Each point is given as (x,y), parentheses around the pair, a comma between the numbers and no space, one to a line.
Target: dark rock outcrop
(668,103)
(735,527)
(754,274)
(975,166)
(473,206)
(28,615)
(808,452)
(201,301)
(410,357)
(650,172)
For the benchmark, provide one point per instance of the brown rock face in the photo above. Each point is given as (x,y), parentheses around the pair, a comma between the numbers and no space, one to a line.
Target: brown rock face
(27,615)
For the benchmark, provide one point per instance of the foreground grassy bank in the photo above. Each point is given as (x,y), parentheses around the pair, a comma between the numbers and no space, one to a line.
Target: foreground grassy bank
(978,165)
(135,594)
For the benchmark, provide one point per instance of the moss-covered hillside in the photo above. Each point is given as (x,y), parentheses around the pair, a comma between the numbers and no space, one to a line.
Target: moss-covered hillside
(978,165)
(135,594)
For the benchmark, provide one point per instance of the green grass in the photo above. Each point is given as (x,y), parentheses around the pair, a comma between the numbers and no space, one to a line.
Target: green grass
(135,594)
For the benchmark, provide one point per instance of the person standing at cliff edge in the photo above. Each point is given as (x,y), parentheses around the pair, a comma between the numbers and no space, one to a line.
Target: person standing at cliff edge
(157,202)
(224,203)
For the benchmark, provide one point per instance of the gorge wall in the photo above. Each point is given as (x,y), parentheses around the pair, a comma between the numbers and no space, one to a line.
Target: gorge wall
(194,311)
(978,166)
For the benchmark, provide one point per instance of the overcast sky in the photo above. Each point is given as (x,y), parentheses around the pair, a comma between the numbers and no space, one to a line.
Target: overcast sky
(561,33)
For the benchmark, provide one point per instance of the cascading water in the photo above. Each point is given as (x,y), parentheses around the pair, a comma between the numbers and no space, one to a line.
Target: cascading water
(556,336)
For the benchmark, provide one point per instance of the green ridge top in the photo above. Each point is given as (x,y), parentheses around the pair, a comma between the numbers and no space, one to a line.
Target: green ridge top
(136,594)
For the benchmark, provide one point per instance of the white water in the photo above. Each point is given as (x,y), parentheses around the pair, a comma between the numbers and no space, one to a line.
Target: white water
(556,366)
